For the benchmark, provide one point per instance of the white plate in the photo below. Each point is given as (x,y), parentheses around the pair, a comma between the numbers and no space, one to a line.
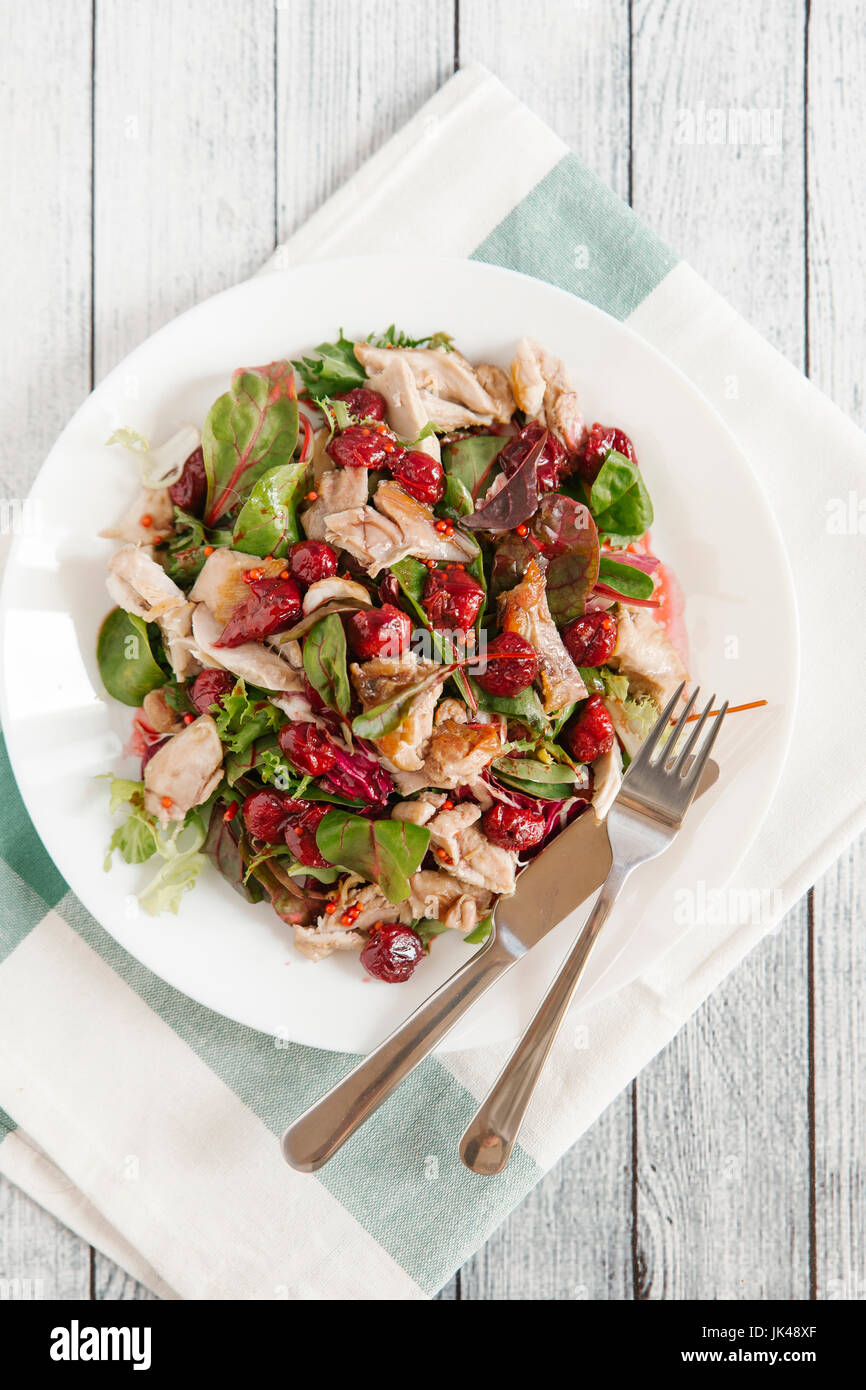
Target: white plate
(713,526)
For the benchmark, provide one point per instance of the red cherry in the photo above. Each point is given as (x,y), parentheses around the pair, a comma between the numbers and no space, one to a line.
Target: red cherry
(392,952)
(363,403)
(421,476)
(190,491)
(513,827)
(592,732)
(274,605)
(512,665)
(601,439)
(550,464)
(300,832)
(591,639)
(384,631)
(209,687)
(307,749)
(452,599)
(362,446)
(265,815)
(310,561)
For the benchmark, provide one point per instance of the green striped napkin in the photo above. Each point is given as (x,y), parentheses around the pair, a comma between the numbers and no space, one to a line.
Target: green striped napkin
(148,1124)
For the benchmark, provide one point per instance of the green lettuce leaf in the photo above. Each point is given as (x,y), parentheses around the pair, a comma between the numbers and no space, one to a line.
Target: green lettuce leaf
(325,663)
(125,656)
(268,521)
(619,500)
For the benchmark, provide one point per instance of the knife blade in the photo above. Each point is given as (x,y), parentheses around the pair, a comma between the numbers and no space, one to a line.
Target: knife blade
(549,889)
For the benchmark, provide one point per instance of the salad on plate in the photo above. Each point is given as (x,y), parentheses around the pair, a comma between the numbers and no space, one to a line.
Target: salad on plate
(388,624)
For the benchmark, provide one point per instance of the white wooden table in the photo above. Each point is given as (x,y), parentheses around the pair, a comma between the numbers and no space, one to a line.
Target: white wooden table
(152,153)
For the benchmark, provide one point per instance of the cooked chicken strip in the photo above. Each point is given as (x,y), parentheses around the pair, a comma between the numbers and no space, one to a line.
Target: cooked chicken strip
(184,772)
(497,384)
(339,490)
(459,752)
(435,894)
(221,584)
(418,526)
(405,409)
(447,415)
(153,503)
(524,610)
(252,661)
(316,943)
(646,655)
(370,537)
(443,373)
(333,590)
(606,781)
(159,713)
(543,390)
(140,586)
(377,681)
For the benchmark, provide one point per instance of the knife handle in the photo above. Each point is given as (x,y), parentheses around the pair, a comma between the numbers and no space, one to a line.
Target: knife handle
(317,1134)
(486,1144)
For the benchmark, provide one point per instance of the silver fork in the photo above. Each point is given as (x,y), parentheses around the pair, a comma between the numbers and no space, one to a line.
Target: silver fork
(642,822)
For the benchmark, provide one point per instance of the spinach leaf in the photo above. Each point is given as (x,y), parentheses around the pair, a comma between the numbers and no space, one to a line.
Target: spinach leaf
(625,579)
(457,501)
(385,852)
(325,663)
(531,770)
(253,427)
(125,655)
(268,522)
(526,707)
(619,500)
(472,462)
(559,791)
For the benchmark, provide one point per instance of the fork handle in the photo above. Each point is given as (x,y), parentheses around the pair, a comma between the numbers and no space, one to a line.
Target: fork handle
(487,1143)
(315,1136)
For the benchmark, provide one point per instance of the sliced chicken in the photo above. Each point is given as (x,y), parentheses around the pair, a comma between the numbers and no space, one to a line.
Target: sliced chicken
(221,584)
(473,859)
(383,677)
(370,537)
(405,409)
(497,384)
(439,896)
(184,772)
(606,781)
(318,942)
(543,390)
(352,891)
(458,752)
(252,661)
(157,509)
(448,415)
(418,527)
(159,713)
(646,656)
(339,489)
(435,370)
(140,586)
(335,590)
(524,610)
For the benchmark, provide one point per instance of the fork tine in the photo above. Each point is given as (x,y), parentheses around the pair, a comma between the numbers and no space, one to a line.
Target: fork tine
(694,774)
(655,733)
(680,763)
(679,727)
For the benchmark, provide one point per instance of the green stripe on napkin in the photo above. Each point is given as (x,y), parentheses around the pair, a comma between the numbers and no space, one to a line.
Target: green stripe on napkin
(573,231)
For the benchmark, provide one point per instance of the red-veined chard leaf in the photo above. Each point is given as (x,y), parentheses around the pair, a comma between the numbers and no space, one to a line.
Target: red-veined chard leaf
(473,461)
(563,539)
(385,852)
(411,575)
(251,428)
(268,521)
(325,663)
(516,500)
(337,605)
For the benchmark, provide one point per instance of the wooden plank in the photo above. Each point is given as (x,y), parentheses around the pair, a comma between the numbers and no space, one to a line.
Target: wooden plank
(571,1238)
(39,1258)
(184,176)
(348,76)
(45,65)
(837,288)
(722,1143)
(111,1283)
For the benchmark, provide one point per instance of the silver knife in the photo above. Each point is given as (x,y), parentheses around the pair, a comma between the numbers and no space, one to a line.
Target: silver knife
(557,882)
